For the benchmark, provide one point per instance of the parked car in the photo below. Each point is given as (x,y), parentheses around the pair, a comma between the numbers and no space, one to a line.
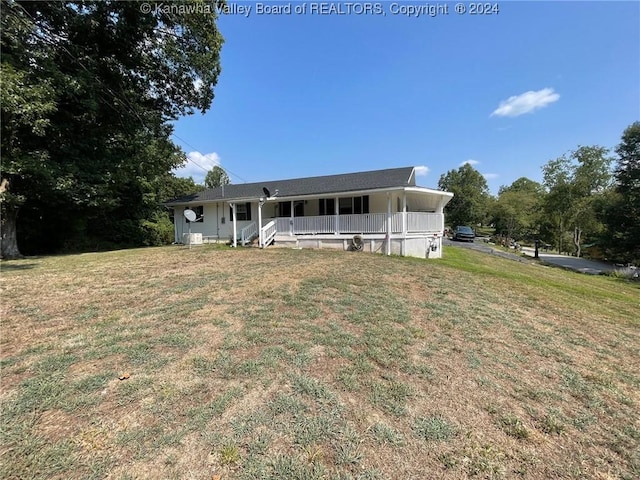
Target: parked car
(463,233)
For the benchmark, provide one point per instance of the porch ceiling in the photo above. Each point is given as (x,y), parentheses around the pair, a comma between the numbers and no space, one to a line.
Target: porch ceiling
(353,193)
(418,198)
(423,198)
(426,199)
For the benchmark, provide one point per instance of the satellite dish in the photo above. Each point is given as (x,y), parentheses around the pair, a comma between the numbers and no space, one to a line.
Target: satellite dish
(266,191)
(190,215)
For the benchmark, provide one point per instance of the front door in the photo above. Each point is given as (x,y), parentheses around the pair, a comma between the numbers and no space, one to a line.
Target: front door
(298,208)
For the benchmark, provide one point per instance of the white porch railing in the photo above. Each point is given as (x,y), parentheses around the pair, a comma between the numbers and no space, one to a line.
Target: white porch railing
(268,232)
(417,222)
(365,223)
(306,225)
(248,233)
(319,224)
(282,224)
(424,222)
(396,222)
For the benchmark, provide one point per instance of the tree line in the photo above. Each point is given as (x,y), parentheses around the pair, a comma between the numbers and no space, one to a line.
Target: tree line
(89,91)
(587,198)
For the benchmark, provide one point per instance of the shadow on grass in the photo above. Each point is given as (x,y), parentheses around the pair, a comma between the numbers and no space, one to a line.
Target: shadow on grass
(17,265)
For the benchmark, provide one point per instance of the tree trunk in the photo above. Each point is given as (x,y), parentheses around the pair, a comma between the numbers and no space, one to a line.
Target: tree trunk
(8,238)
(510,229)
(577,234)
(560,236)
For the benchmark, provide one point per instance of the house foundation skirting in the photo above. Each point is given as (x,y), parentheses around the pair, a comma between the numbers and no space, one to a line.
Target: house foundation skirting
(214,239)
(427,245)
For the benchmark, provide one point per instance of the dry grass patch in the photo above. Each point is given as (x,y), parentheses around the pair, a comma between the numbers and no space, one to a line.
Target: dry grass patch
(293,364)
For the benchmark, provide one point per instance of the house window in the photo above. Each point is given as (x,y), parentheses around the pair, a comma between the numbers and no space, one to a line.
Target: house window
(327,206)
(243,210)
(365,204)
(345,206)
(353,205)
(199,211)
(284,209)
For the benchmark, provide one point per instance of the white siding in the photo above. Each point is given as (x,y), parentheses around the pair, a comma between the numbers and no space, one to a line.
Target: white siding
(226,229)
(378,203)
(211,225)
(312,207)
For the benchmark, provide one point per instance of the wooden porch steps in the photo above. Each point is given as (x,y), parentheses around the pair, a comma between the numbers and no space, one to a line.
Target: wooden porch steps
(285,241)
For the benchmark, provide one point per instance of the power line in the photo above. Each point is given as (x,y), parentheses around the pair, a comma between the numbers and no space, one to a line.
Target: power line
(42,27)
(124,101)
(203,168)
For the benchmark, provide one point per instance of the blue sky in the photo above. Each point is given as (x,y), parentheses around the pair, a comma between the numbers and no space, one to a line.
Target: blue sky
(305,95)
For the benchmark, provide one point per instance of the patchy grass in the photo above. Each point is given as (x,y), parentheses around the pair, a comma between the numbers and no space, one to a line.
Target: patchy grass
(434,427)
(274,364)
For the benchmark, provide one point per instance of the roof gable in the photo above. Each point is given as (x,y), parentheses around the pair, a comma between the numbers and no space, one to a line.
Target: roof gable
(375,179)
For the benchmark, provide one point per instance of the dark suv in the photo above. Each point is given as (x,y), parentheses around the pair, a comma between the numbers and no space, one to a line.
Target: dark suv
(463,233)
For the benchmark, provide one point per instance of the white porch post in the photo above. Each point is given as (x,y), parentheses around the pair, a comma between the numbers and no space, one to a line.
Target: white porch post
(337,211)
(404,222)
(440,210)
(291,220)
(404,214)
(260,223)
(235,225)
(175,227)
(388,223)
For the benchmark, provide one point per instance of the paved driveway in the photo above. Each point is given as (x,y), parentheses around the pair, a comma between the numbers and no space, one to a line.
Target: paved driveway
(578,264)
(484,247)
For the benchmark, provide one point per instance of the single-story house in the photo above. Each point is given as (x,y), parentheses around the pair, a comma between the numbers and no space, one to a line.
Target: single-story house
(377,211)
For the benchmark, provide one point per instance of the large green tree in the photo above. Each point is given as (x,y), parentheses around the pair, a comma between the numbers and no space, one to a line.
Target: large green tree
(216,177)
(622,215)
(88,93)
(469,205)
(517,210)
(26,107)
(576,183)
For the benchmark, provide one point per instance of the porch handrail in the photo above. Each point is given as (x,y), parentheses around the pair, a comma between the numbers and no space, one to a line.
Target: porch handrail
(314,225)
(283,224)
(417,222)
(248,233)
(363,223)
(268,232)
(424,222)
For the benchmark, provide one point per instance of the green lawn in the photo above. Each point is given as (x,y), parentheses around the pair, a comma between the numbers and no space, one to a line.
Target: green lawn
(298,364)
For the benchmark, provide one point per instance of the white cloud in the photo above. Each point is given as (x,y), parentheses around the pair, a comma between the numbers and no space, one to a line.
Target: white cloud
(526,102)
(421,171)
(490,176)
(470,162)
(197,165)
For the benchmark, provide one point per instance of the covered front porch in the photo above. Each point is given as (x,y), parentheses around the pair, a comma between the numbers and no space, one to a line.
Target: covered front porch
(406,221)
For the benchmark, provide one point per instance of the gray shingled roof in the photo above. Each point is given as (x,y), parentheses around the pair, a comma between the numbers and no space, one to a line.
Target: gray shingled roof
(347,182)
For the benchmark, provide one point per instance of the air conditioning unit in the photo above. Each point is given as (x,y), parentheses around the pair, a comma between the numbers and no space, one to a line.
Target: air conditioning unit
(192,238)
